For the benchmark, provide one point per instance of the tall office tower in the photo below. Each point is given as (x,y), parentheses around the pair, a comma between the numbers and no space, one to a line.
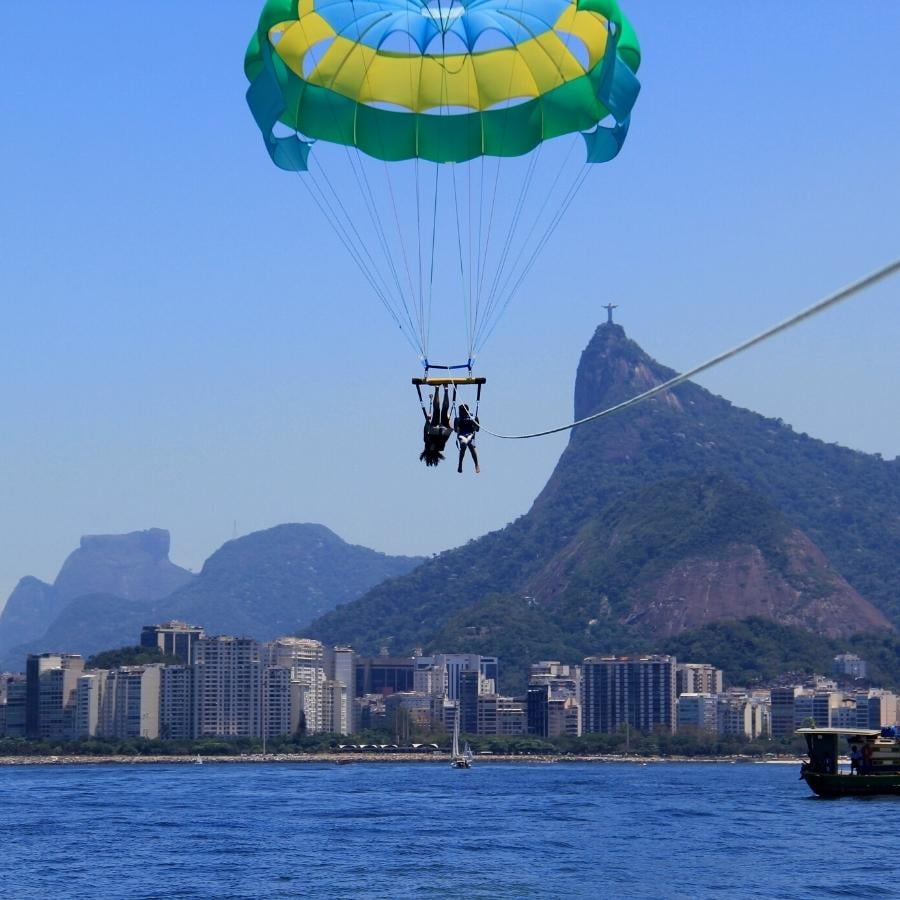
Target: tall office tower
(560,707)
(88,699)
(305,659)
(472,685)
(174,638)
(697,713)
(13,700)
(638,691)
(697,678)
(50,682)
(228,683)
(537,706)
(130,703)
(384,675)
(784,701)
(176,702)
(342,670)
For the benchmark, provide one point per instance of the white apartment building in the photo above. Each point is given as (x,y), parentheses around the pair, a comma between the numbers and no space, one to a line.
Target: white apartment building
(129,704)
(228,684)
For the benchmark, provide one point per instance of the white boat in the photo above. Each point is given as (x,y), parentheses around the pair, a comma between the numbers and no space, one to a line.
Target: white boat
(460,760)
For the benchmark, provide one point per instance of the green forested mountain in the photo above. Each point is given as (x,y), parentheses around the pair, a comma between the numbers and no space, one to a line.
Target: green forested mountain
(673,514)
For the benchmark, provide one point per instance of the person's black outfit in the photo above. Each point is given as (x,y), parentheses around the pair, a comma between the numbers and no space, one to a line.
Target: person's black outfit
(465,427)
(437,429)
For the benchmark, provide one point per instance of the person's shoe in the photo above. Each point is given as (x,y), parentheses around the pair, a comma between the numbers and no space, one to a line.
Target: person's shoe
(459,470)
(477,470)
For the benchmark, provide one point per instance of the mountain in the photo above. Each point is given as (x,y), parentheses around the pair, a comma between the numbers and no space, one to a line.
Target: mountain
(275,582)
(264,585)
(87,625)
(680,511)
(134,567)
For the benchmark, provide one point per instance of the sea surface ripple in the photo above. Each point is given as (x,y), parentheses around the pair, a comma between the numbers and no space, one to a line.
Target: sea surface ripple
(413,830)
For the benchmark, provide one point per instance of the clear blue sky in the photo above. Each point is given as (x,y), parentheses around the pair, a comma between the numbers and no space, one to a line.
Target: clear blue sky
(183,344)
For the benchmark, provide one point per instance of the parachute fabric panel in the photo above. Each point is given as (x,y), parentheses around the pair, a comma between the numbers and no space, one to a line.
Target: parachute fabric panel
(331,70)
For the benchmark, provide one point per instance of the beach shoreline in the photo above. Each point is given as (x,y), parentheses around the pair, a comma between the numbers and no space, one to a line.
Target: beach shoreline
(367,758)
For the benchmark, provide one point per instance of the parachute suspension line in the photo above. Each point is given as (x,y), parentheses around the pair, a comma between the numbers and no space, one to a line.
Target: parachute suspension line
(511,232)
(542,243)
(399,307)
(365,188)
(338,228)
(421,295)
(462,275)
(846,293)
(400,238)
(487,243)
(496,304)
(434,221)
(505,295)
(559,215)
(358,169)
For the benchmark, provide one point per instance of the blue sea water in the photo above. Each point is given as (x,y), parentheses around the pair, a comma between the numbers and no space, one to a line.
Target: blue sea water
(422,830)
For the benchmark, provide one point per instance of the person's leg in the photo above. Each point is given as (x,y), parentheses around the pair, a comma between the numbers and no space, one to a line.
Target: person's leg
(462,454)
(445,408)
(436,409)
(474,458)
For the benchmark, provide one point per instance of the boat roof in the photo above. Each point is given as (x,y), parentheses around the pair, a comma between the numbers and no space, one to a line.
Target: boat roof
(863,732)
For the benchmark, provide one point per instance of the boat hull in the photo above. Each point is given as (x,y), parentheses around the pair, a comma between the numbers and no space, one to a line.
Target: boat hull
(852,785)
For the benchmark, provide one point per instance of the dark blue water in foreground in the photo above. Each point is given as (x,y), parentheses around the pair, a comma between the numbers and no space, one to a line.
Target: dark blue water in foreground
(408,830)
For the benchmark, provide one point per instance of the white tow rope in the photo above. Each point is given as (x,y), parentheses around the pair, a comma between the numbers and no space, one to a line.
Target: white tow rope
(832,300)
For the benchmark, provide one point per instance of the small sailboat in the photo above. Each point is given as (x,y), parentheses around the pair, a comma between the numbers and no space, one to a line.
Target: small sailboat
(460,760)
(199,760)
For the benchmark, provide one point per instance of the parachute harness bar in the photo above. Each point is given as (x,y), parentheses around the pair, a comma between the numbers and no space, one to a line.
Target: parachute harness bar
(834,299)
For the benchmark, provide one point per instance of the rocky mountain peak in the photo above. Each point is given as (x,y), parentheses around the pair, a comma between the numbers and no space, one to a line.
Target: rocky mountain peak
(613,368)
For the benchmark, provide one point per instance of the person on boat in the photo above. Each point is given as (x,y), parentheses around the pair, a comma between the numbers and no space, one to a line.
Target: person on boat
(465,427)
(437,429)
(867,758)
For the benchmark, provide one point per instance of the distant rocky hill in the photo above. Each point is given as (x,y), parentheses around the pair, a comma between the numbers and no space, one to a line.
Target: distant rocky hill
(134,567)
(276,582)
(678,512)
(262,585)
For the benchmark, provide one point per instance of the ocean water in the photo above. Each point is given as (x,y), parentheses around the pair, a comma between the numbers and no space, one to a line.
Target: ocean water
(424,830)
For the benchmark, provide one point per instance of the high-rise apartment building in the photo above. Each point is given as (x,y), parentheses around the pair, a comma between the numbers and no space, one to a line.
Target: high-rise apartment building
(783,709)
(176,702)
(343,671)
(88,702)
(306,661)
(697,678)
(129,706)
(638,691)
(228,685)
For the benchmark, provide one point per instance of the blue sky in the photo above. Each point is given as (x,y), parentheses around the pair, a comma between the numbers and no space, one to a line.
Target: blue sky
(184,344)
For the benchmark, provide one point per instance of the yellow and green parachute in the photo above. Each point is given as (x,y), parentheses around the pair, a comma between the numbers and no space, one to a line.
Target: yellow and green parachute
(441,89)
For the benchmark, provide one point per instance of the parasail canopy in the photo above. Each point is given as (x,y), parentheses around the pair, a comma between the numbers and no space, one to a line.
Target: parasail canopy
(444,82)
